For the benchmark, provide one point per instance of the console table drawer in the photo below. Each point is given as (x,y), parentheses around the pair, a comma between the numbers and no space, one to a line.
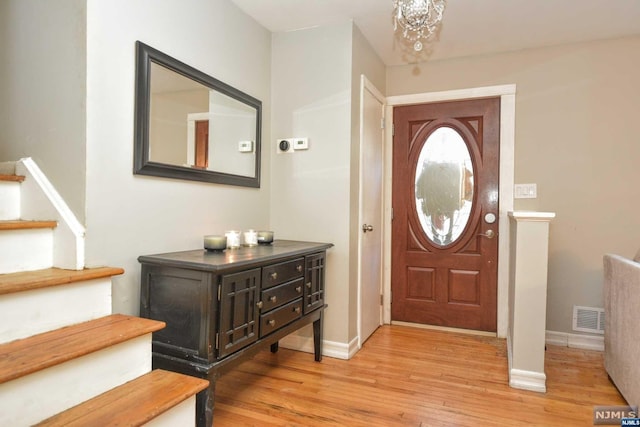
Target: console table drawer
(277,295)
(283,272)
(279,317)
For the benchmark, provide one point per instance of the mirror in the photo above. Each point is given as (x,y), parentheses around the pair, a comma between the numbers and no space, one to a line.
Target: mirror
(189,125)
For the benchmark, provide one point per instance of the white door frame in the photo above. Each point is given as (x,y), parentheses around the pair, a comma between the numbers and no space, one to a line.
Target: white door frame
(365,84)
(507,94)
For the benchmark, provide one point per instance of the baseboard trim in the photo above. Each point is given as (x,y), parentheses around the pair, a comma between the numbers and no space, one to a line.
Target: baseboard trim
(333,349)
(521,379)
(527,380)
(584,342)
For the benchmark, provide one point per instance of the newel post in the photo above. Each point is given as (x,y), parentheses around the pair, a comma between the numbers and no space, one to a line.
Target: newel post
(528,299)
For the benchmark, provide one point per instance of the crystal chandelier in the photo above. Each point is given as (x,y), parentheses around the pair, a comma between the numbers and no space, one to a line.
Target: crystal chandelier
(419,19)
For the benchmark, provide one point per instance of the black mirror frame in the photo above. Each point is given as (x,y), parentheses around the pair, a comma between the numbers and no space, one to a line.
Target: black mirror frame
(141,164)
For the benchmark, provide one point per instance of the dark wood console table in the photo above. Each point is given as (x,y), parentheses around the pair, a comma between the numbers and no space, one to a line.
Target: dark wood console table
(221,308)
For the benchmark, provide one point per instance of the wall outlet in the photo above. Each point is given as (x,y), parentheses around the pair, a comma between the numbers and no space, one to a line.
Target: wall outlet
(525,191)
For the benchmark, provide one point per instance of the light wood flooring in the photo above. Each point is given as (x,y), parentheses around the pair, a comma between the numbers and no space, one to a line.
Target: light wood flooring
(406,376)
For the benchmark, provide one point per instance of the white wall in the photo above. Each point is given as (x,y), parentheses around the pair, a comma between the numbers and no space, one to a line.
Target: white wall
(130,215)
(42,90)
(311,84)
(316,81)
(364,61)
(316,91)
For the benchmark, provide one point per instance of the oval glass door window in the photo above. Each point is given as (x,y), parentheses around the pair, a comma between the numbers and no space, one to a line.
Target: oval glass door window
(444,186)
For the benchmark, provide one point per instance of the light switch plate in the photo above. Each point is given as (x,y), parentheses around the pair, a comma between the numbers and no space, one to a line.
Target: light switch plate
(525,191)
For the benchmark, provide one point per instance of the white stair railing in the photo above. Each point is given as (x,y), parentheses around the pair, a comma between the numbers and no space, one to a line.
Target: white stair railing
(40,201)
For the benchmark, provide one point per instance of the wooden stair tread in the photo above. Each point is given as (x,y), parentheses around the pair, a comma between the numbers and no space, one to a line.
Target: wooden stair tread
(12,178)
(132,404)
(25,356)
(30,280)
(21,224)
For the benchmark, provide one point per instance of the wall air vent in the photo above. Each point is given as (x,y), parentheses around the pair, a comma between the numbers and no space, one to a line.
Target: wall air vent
(588,319)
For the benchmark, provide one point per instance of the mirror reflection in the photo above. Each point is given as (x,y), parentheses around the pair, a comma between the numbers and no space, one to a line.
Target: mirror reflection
(444,186)
(192,126)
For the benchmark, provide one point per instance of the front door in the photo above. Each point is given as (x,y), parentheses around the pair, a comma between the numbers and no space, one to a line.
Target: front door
(445,214)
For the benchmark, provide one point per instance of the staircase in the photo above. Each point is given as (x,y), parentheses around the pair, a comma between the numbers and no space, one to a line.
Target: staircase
(65,359)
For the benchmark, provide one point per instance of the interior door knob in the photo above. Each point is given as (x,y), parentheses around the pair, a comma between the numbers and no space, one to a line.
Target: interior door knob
(366,227)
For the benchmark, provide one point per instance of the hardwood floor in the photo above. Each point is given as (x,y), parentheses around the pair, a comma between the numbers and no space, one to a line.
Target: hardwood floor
(406,376)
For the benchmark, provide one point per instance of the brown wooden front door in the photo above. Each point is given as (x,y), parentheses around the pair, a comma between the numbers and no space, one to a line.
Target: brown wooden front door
(445,213)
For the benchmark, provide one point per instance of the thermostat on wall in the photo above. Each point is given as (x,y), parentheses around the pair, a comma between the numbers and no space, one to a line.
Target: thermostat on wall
(245,146)
(289,145)
(300,143)
(284,145)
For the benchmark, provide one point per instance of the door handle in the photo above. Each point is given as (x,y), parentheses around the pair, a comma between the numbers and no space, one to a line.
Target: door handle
(366,228)
(490,234)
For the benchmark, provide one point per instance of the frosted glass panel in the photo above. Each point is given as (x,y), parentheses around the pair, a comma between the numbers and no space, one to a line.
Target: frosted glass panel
(444,186)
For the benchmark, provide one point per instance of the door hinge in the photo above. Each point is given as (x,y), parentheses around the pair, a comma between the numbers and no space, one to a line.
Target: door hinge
(381,122)
(390,297)
(391,214)
(393,130)
(217,340)
(381,299)
(219,292)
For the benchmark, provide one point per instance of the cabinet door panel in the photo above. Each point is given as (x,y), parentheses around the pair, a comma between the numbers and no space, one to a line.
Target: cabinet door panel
(238,310)
(314,282)
(179,298)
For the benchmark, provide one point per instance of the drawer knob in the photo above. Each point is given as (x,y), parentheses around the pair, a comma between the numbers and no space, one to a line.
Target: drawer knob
(274,275)
(298,289)
(271,322)
(259,304)
(296,309)
(309,285)
(273,298)
(299,268)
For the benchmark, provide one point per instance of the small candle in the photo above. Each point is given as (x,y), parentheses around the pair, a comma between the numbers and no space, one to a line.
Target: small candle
(233,239)
(215,243)
(265,237)
(250,238)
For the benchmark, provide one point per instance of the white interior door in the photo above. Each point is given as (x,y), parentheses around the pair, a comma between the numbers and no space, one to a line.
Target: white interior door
(371,210)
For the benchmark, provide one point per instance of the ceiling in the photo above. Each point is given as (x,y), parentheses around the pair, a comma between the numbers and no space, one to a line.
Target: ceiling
(470,27)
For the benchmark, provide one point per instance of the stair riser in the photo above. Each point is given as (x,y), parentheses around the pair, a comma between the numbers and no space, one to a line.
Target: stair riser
(28,400)
(25,250)
(182,415)
(10,196)
(32,312)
